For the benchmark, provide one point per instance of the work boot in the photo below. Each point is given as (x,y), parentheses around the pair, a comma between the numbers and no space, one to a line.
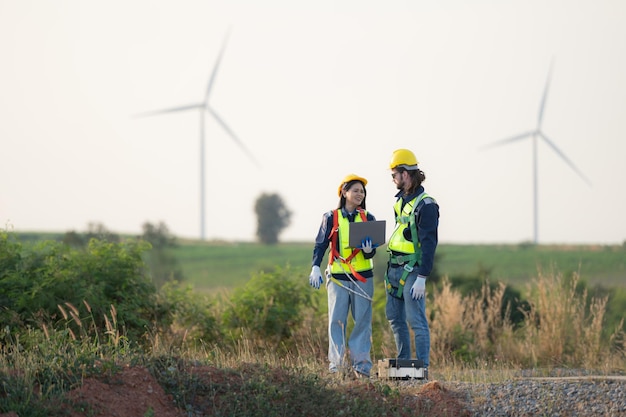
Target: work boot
(360,375)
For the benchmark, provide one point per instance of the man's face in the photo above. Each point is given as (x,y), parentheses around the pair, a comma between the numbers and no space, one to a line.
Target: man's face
(398,178)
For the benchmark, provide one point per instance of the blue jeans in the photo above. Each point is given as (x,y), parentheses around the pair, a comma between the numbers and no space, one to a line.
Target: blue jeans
(340,301)
(401,311)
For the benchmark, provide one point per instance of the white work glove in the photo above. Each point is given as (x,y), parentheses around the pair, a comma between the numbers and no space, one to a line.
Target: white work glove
(315,279)
(366,245)
(419,288)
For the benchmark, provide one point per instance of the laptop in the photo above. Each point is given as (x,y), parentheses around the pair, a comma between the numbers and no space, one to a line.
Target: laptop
(375,230)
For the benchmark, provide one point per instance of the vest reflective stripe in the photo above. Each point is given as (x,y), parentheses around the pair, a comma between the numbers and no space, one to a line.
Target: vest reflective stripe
(358,262)
(397,242)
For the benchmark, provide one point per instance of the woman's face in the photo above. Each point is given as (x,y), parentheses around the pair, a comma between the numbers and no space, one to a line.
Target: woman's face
(355,194)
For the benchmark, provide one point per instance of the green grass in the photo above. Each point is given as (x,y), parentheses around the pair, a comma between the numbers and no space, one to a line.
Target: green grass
(515,264)
(210,266)
(217,265)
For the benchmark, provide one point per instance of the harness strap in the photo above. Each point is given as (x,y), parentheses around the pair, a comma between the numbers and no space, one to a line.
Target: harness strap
(402,259)
(335,255)
(407,269)
(408,260)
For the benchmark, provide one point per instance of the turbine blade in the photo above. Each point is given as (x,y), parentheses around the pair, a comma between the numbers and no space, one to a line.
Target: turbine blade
(233,136)
(171,110)
(564,158)
(542,106)
(217,64)
(508,140)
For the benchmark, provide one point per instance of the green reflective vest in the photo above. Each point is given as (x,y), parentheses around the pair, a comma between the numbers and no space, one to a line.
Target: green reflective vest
(406,218)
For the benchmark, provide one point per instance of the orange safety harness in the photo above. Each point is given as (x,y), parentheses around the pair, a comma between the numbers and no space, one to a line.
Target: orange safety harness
(335,254)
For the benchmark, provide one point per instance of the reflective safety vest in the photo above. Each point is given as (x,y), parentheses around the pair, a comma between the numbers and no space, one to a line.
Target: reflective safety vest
(344,259)
(406,218)
(411,250)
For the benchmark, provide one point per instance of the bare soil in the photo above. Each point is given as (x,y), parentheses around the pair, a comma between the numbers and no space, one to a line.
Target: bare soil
(133,391)
(130,392)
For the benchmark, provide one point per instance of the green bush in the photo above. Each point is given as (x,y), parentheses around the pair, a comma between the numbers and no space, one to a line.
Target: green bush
(513,303)
(269,306)
(614,316)
(187,312)
(10,260)
(54,283)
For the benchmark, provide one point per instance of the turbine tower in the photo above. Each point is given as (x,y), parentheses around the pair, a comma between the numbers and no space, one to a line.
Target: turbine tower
(203,107)
(536,134)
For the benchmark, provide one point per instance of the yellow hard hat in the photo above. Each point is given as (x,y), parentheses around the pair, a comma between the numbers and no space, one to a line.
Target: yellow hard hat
(403,158)
(347,179)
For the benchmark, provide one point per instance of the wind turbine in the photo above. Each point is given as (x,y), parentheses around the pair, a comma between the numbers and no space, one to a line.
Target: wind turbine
(202,107)
(536,134)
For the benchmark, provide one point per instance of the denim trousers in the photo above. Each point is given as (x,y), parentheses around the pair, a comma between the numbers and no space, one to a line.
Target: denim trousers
(341,300)
(401,311)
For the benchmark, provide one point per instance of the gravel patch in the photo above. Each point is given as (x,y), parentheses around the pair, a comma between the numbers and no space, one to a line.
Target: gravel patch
(546,393)
(545,397)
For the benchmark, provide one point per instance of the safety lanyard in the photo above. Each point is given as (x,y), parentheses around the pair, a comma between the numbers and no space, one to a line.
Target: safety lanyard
(360,293)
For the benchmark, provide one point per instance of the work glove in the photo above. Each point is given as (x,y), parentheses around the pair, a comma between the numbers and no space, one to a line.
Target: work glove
(315,279)
(366,245)
(419,288)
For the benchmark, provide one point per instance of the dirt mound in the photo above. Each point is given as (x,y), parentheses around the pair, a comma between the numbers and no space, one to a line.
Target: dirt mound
(130,392)
(441,401)
(133,391)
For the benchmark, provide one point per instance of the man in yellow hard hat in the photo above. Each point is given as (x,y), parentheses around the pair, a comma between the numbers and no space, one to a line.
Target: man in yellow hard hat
(411,248)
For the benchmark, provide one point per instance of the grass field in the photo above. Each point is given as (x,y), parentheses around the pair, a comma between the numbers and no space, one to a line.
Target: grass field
(213,266)
(217,265)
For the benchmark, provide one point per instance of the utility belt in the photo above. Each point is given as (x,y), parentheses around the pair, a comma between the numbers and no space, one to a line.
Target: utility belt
(407,262)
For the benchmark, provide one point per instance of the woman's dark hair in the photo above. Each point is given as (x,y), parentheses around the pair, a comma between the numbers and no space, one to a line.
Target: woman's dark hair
(347,186)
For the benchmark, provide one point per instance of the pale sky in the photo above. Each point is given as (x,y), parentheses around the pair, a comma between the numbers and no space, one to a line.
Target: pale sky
(315,90)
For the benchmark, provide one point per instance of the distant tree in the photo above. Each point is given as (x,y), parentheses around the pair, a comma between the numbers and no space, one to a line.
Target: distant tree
(94,231)
(158,235)
(272,217)
(161,261)
(100,231)
(73,238)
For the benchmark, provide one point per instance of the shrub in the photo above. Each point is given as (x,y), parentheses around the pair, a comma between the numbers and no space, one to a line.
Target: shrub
(36,281)
(187,315)
(269,306)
